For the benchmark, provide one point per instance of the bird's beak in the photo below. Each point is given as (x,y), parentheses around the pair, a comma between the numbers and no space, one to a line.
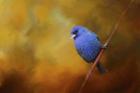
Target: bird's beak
(73,36)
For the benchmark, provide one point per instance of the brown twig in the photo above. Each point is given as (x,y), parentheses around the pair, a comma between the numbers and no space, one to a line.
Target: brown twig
(105,45)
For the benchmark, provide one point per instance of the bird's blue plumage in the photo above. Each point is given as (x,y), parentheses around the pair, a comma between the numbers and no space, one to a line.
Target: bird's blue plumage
(87,45)
(86,42)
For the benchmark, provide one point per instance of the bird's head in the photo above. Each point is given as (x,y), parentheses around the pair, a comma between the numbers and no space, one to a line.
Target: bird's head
(78,31)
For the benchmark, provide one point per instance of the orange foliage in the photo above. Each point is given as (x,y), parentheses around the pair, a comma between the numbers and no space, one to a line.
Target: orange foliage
(37,56)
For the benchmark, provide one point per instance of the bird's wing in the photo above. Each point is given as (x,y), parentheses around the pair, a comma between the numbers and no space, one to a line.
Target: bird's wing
(97,38)
(93,33)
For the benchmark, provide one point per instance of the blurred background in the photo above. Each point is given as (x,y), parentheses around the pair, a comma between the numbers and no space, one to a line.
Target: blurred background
(38,56)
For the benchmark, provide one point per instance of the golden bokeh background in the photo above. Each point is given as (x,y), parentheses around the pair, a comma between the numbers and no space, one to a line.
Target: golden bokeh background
(38,56)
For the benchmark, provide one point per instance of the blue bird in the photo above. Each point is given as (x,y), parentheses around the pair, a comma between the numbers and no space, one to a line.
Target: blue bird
(87,45)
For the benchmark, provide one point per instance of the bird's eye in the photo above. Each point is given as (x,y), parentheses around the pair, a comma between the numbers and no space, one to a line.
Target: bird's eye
(75,32)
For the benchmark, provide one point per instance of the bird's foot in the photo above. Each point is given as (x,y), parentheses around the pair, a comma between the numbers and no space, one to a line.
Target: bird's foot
(105,46)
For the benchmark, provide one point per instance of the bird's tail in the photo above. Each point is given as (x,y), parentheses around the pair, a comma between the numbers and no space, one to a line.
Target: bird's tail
(101,68)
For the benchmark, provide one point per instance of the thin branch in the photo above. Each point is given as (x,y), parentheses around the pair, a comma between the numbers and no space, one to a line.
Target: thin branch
(105,45)
(115,28)
(91,70)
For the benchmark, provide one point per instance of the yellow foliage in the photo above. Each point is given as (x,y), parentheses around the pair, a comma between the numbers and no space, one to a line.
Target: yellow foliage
(35,45)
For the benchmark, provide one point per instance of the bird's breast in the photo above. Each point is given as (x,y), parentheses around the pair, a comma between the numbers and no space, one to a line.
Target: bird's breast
(87,47)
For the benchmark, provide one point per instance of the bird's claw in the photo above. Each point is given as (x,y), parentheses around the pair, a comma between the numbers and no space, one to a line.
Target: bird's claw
(105,46)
